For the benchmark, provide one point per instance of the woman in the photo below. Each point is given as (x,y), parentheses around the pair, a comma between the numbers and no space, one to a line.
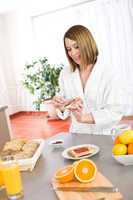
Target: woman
(88,91)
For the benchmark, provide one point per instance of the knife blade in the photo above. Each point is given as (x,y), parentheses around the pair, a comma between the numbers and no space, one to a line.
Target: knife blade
(92,189)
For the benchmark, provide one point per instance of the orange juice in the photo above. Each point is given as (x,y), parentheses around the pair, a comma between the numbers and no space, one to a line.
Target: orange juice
(1,178)
(12,179)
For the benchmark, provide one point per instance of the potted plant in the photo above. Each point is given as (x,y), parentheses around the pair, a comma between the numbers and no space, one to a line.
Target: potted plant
(41,79)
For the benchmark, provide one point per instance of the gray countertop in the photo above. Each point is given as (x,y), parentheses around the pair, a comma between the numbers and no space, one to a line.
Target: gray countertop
(37,184)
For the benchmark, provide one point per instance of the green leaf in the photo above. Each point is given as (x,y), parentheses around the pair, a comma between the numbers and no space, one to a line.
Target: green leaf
(42,81)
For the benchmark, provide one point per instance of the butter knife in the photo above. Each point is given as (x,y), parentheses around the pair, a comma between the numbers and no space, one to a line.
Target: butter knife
(91,189)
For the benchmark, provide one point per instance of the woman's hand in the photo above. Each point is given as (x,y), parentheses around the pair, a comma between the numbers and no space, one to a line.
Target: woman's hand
(84,117)
(76,105)
(60,102)
(76,108)
(80,116)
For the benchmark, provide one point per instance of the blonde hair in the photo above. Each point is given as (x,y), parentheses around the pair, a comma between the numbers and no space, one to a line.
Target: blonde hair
(86,43)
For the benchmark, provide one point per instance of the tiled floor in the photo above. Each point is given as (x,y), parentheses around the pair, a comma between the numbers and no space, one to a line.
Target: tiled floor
(36,125)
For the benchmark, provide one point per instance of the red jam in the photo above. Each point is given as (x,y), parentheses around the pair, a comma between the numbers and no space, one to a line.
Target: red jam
(57,142)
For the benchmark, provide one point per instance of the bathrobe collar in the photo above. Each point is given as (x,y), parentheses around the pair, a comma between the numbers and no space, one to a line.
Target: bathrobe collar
(78,84)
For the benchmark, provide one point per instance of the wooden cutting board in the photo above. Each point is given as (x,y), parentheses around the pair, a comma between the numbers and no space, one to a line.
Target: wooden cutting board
(100,180)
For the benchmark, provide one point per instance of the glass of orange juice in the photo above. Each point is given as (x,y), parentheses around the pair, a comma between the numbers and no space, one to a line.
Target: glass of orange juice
(1,178)
(12,179)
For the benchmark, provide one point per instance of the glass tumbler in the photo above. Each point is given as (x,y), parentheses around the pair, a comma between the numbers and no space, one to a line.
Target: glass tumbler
(12,179)
(1,178)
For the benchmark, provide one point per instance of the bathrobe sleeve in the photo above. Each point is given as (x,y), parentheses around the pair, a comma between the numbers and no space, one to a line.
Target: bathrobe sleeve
(114,106)
(61,84)
(62,115)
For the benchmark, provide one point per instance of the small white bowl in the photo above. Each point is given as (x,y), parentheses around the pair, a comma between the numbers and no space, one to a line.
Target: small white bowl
(124,159)
(57,143)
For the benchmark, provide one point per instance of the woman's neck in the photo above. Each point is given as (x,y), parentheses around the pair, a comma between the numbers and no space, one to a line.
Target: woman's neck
(84,74)
(87,69)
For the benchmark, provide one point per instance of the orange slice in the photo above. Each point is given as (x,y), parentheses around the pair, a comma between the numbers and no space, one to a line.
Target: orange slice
(85,170)
(65,174)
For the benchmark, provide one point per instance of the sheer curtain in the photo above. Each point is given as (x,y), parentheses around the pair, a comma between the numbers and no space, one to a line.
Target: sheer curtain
(15,50)
(111,23)
(118,23)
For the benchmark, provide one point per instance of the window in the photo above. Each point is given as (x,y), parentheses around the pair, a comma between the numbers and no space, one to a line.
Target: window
(49,30)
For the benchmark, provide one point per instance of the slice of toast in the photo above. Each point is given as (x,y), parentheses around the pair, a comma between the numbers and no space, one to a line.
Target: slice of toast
(81,151)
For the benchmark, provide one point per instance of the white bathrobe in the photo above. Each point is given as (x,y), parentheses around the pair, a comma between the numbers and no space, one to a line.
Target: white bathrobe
(103,96)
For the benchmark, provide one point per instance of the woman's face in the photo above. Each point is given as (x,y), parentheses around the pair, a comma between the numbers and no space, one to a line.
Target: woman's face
(73,50)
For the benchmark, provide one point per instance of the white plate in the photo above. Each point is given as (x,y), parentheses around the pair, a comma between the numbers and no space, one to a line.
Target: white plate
(65,153)
(124,159)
